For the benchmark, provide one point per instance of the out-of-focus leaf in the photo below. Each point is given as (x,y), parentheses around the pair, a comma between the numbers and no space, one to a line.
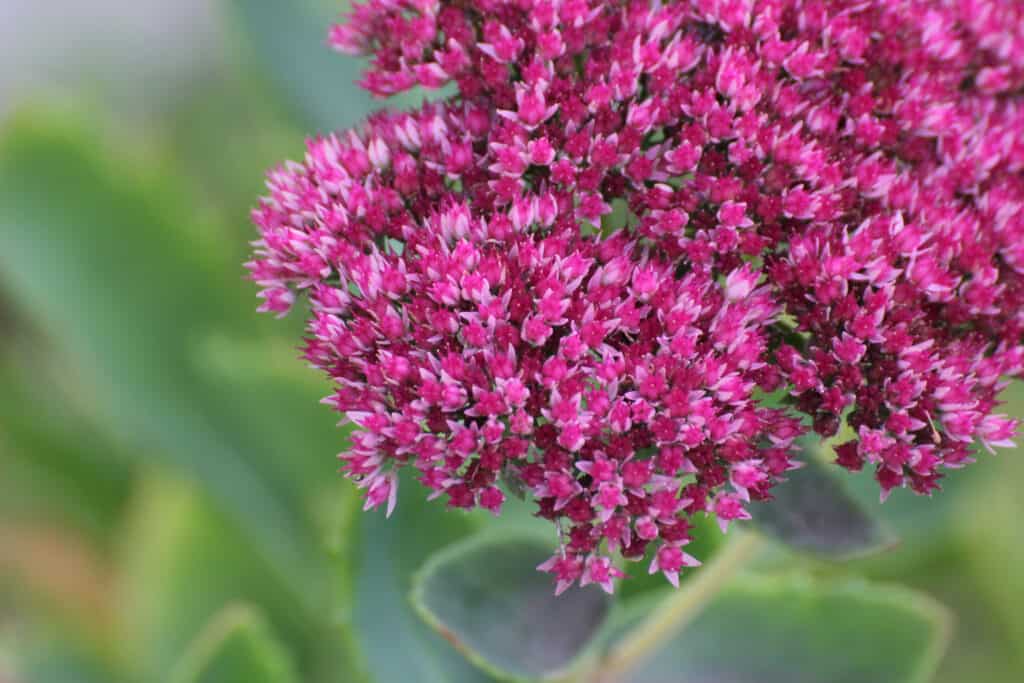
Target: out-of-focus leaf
(487,598)
(112,263)
(923,524)
(796,630)
(395,643)
(919,521)
(55,664)
(290,40)
(227,130)
(182,562)
(57,573)
(276,398)
(987,520)
(812,513)
(56,466)
(236,645)
(55,658)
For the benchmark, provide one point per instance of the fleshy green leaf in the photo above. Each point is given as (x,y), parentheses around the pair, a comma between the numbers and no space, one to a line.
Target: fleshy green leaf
(276,398)
(995,540)
(813,513)
(377,575)
(487,598)
(57,466)
(182,561)
(290,41)
(921,523)
(227,130)
(235,646)
(109,259)
(796,630)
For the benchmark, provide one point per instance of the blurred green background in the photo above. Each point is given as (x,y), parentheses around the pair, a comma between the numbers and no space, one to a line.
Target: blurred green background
(165,466)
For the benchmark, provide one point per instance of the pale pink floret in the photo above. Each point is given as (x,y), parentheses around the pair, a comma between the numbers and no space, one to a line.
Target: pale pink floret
(669,560)
(567,570)
(600,570)
(728,508)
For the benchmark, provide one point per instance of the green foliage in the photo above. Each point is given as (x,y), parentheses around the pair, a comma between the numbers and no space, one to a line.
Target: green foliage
(59,660)
(487,598)
(235,646)
(994,547)
(395,643)
(812,512)
(181,562)
(58,467)
(134,291)
(797,630)
(290,41)
(108,273)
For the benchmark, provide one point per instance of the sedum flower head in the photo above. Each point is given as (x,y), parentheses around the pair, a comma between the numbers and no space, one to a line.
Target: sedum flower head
(584,274)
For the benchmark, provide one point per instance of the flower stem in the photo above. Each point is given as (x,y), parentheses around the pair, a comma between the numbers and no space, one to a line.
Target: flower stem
(676,613)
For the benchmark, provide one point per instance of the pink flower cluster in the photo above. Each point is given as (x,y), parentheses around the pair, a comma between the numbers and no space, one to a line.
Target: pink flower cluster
(649,244)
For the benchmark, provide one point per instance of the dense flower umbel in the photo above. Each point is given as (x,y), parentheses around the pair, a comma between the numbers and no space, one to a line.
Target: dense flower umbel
(581,275)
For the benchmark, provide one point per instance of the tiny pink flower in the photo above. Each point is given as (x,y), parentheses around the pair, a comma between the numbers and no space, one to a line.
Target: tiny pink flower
(669,560)
(588,266)
(601,571)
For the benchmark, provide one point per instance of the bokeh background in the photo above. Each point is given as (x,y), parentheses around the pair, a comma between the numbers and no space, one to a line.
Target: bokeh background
(162,450)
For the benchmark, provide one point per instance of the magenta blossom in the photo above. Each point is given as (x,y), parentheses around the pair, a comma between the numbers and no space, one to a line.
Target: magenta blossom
(584,273)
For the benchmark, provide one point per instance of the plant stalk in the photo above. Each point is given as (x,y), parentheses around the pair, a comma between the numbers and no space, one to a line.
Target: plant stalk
(681,608)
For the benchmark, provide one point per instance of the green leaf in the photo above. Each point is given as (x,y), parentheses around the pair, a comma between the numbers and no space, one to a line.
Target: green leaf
(377,575)
(994,540)
(812,513)
(796,630)
(920,522)
(36,649)
(236,645)
(181,562)
(486,596)
(290,42)
(108,257)
(225,131)
(57,466)
(276,398)
(58,659)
